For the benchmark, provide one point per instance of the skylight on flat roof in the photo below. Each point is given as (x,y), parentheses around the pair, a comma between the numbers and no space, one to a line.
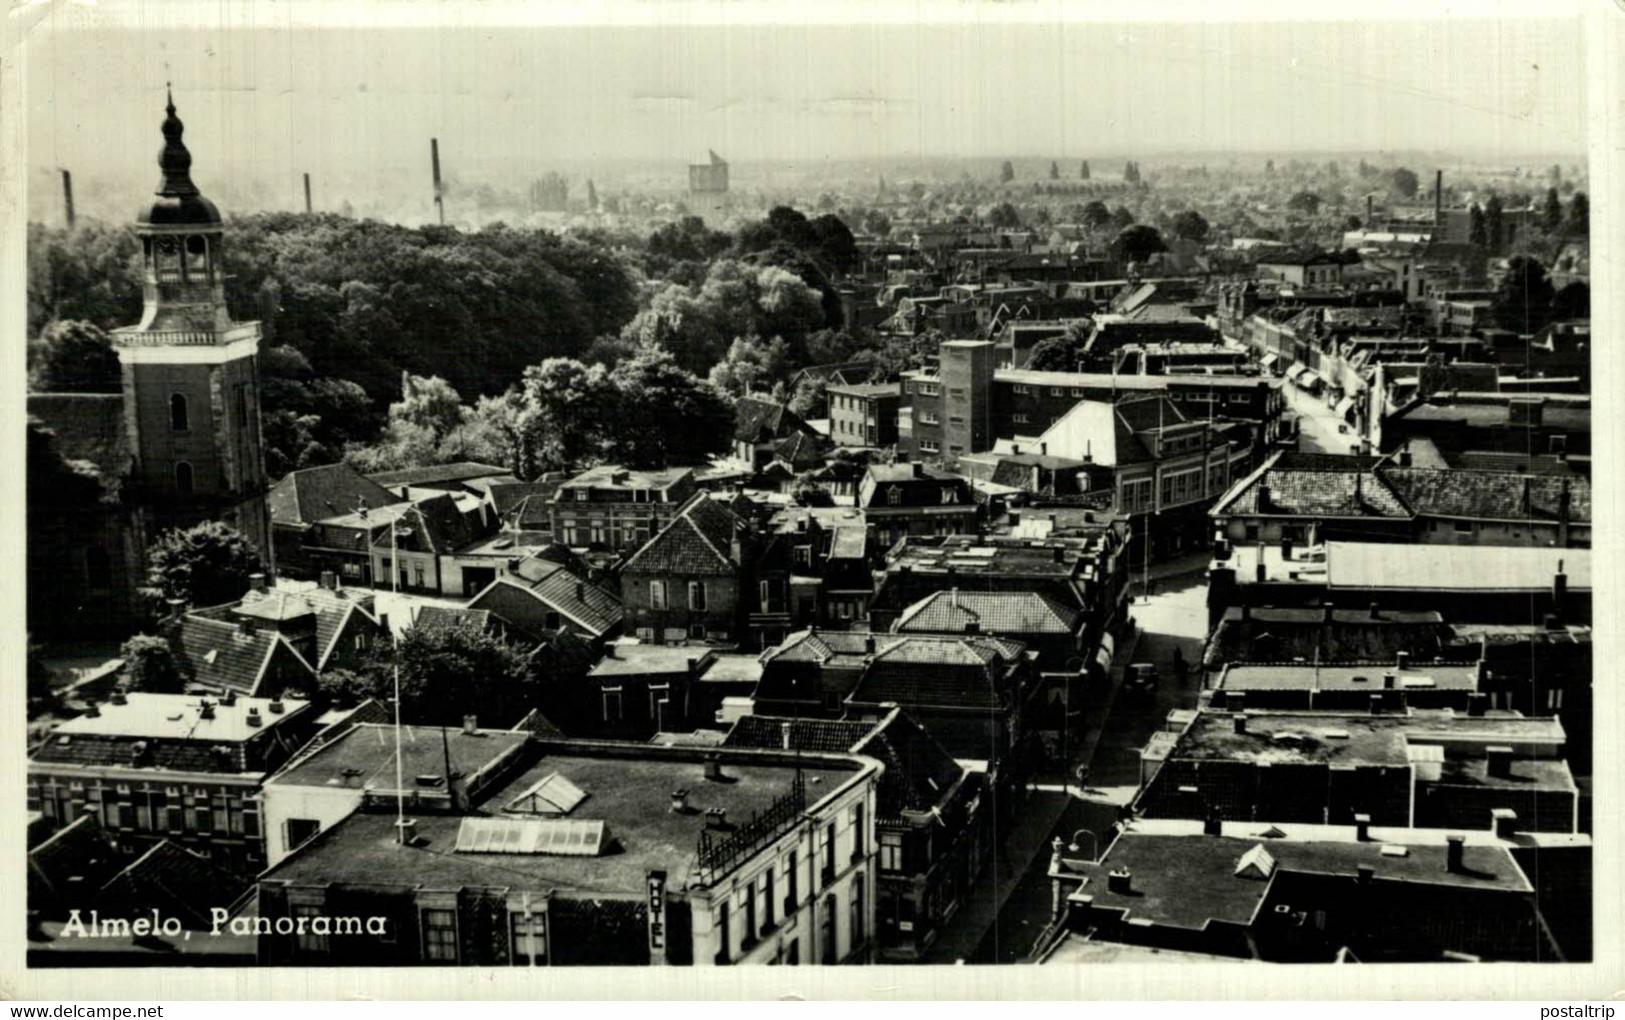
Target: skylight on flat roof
(552,795)
(531,836)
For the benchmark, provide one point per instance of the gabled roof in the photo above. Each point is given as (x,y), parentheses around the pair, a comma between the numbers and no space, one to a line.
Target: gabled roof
(1007,612)
(221,653)
(525,502)
(330,608)
(562,591)
(89,428)
(72,860)
(698,540)
(461,471)
(172,881)
(432,619)
(321,493)
(438,525)
(1491,495)
(757,419)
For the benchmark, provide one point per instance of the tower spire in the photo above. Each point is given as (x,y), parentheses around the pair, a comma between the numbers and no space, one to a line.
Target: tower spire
(173,159)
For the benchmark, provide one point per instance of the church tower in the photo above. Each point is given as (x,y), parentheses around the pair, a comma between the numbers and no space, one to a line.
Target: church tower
(191,379)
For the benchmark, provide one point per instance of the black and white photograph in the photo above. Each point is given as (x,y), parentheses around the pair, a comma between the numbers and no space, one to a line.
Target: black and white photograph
(722,485)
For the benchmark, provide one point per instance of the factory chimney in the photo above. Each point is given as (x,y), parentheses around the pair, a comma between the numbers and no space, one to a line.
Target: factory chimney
(67,197)
(434,159)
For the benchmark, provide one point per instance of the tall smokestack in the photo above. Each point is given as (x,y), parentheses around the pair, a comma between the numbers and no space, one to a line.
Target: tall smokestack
(67,197)
(1368,212)
(307,195)
(434,158)
(1438,197)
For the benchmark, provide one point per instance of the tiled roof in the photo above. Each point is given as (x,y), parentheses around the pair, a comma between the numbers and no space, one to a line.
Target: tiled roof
(698,540)
(70,861)
(430,619)
(756,420)
(320,493)
(172,881)
(1317,494)
(768,733)
(950,612)
(915,688)
(932,650)
(526,502)
(1490,495)
(89,427)
(920,487)
(442,527)
(822,646)
(798,448)
(458,472)
(220,653)
(566,593)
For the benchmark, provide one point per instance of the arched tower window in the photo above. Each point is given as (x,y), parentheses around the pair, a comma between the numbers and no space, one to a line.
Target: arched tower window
(167,259)
(183,478)
(197,257)
(179,418)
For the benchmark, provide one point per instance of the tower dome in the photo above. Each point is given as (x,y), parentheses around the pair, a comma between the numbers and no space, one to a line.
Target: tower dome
(179,201)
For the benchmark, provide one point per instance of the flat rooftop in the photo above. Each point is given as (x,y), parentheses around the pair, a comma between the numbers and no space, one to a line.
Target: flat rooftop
(635,660)
(1386,566)
(1185,879)
(1106,381)
(1350,739)
(1305,676)
(626,787)
(180,717)
(364,758)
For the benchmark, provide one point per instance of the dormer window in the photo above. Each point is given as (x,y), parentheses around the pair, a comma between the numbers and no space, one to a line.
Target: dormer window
(894,496)
(949,495)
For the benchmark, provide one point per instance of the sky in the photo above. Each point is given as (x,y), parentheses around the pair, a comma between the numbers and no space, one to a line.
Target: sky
(266,94)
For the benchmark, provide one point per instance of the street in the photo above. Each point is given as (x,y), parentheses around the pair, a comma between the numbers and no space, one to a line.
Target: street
(1318,424)
(1174,616)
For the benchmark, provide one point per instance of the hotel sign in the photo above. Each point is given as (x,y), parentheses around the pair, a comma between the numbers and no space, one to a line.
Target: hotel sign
(657,917)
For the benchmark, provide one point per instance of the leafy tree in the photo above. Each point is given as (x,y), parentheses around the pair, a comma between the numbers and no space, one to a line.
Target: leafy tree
(74,356)
(1573,301)
(207,564)
(90,273)
(687,240)
(830,345)
(1004,216)
(663,415)
(876,223)
(1059,353)
(1403,182)
(1122,218)
(1580,212)
(1352,223)
(151,666)
(1523,301)
(430,403)
(1137,243)
(445,673)
(1306,202)
(1190,225)
(1007,173)
(1551,214)
(1083,171)
(751,365)
(1096,215)
(1477,232)
(1494,223)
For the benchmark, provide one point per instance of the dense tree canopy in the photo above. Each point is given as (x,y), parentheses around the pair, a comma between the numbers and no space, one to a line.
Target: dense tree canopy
(1137,243)
(1523,301)
(1404,182)
(1191,226)
(208,564)
(73,356)
(445,674)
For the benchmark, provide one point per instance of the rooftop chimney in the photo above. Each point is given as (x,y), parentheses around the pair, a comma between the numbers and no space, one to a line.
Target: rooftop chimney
(716,818)
(1560,588)
(254,719)
(1246,611)
(1402,660)
(1239,721)
(228,698)
(869,644)
(206,709)
(513,564)
(1477,702)
(1364,873)
(1368,211)
(1120,881)
(1455,847)
(1389,681)
(1505,822)
(91,711)
(1362,827)
(713,768)
(256,581)
(471,724)
(1212,825)
(1498,761)
(1057,554)
(276,707)
(1438,198)
(1376,702)
(679,801)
